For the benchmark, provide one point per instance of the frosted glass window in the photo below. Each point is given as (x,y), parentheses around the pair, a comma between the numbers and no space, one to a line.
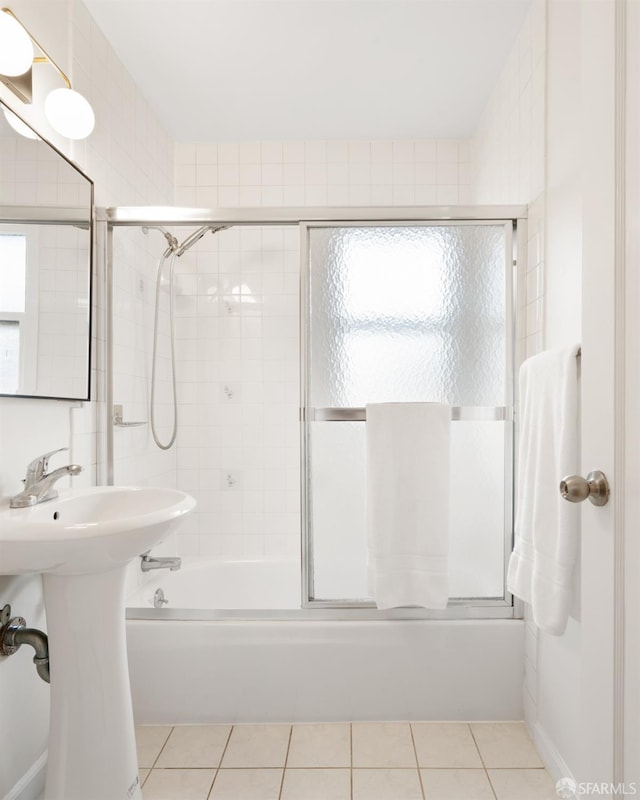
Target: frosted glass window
(337,457)
(407,313)
(13,273)
(338,509)
(9,356)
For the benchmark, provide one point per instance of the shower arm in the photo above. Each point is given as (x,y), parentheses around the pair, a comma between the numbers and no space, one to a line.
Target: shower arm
(171,240)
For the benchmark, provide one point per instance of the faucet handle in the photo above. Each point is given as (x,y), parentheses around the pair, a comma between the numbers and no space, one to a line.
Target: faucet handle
(38,467)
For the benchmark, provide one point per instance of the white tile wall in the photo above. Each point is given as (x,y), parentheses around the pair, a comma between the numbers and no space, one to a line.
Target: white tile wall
(508,154)
(508,148)
(238,370)
(129,155)
(319,173)
(238,324)
(508,159)
(31,174)
(137,460)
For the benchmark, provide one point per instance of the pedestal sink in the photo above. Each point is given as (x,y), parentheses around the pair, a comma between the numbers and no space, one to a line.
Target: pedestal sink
(81,543)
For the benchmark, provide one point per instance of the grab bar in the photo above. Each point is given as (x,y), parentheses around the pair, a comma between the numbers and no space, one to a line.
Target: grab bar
(458,414)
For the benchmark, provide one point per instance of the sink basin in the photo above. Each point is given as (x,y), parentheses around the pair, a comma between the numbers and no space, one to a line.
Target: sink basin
(81,542)
(88,530)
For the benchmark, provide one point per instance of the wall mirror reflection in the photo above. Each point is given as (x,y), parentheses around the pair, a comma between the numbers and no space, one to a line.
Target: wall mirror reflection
(46,213)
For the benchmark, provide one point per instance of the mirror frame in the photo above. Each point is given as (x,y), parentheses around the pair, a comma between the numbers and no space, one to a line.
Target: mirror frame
(59,215)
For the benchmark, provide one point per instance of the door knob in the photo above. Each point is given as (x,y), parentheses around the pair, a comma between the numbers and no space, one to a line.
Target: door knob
(576,489)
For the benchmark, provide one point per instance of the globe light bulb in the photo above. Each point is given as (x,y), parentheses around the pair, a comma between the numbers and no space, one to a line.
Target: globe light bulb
(16,48)
(69,113)
(18,125)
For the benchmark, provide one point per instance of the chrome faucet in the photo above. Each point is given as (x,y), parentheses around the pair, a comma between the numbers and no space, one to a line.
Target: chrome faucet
(148,562)
(38,484)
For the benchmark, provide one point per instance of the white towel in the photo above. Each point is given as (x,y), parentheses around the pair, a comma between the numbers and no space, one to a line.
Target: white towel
(547,527)
(408,503)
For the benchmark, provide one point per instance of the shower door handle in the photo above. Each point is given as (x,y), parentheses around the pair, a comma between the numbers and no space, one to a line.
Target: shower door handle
(595,487)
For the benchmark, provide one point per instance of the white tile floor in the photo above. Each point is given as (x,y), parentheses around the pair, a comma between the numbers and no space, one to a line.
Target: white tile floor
(342,761)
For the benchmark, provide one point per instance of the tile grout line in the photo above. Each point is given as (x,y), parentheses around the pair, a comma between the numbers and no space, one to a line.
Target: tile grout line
(351,761)
(142,783)
(329,769)
(224,750)
(484,766)
(415,752)
(286,759)
(155,761)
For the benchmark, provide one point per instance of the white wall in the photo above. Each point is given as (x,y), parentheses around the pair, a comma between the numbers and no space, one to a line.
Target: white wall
(130,157)
(137,460)
(559,658)
(320,173)
(528,150)
(508,160)
(508,165)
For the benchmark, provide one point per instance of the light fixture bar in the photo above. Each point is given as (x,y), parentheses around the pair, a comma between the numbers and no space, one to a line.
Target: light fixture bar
(38,59)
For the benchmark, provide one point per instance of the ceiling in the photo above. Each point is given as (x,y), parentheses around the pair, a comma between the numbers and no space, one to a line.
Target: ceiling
(243,70)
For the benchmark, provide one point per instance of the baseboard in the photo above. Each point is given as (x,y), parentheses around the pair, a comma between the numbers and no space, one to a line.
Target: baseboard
(31,784)
(550,755)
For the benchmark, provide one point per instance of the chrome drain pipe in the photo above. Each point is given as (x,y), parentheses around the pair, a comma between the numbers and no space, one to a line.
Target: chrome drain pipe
(14,633)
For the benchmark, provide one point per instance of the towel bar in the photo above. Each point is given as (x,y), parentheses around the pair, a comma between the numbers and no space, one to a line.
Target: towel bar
(458,414)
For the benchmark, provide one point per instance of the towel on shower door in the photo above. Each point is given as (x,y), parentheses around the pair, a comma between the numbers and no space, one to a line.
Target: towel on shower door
(547,527)
(408,503)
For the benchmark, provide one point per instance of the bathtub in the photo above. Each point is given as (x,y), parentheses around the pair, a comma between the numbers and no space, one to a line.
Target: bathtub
(268,660)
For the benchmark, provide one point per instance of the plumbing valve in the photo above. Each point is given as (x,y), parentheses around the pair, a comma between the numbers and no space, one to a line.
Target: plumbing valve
(14,633)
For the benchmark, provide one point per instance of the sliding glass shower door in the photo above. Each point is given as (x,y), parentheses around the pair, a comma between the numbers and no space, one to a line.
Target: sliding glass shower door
(406,313)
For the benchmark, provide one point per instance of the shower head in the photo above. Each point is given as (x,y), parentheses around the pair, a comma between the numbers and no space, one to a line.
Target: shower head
(171,240)
(196,236)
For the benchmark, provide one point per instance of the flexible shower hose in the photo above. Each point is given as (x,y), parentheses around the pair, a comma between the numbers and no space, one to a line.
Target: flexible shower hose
(172,337)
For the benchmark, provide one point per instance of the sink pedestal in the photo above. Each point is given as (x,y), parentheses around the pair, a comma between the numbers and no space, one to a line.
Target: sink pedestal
(81,543)
(92,750)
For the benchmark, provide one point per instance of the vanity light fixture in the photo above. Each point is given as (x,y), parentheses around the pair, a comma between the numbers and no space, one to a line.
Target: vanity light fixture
(66,110)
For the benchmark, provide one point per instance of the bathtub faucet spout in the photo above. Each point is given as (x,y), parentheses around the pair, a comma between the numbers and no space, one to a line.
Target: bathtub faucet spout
(147,562)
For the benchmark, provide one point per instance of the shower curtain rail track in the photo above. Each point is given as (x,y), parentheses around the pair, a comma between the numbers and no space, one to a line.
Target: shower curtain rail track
(167,215)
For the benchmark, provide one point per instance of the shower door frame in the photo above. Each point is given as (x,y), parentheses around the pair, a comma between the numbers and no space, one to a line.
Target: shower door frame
(495,414)
(107,219)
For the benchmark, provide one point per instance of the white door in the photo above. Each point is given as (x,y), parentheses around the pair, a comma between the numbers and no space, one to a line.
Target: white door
(631,685)
(603,373)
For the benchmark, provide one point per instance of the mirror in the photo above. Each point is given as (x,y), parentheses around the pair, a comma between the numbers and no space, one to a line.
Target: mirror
(46,215)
